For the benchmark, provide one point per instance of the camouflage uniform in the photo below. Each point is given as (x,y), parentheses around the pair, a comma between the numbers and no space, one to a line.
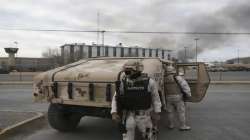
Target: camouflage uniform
(174,87)
(140,118)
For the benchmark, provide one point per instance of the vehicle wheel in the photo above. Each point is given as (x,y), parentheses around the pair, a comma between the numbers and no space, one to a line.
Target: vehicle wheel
(61,119)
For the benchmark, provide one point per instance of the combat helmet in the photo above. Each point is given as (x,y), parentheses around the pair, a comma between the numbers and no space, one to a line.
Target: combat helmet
(170,70)
(135,65)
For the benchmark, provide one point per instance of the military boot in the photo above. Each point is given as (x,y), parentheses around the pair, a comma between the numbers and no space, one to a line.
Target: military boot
(184,128)
(171,126)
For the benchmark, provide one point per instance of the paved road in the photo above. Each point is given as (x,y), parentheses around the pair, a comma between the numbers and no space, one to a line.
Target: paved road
(19,97)
(230,76)
(223,114)
(20,77)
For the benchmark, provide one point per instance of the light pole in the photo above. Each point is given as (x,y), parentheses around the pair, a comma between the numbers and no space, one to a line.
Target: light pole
(20,73)
(196,49)
(238,56)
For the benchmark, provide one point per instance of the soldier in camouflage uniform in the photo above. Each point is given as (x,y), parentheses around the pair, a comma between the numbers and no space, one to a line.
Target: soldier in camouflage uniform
(176,88)
(138,98)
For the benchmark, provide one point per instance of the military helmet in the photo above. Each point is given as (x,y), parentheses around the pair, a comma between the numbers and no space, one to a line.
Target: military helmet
(135,65)
(170,69)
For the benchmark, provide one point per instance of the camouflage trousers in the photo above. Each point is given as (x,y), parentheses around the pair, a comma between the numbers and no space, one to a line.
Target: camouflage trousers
(176,105)
(144,124)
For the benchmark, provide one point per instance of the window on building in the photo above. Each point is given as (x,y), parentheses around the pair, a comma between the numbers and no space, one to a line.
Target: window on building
(162,54)
(98,51)
(114,52)
(143,52)
(106,51)
(71,53)
(81,51)
(150,52)
(122,52)
(136,52)
(169,57)
(90,51)
(129,52)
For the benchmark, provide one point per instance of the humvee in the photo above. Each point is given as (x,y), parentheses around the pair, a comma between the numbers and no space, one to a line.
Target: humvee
(86,87)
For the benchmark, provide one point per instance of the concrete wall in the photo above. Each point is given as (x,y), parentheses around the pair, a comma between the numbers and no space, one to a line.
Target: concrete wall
(29,64)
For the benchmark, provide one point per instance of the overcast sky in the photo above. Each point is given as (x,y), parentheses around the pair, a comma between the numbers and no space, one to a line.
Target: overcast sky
(132,15)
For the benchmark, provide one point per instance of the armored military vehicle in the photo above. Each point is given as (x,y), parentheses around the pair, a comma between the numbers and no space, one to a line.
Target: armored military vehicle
(86,87)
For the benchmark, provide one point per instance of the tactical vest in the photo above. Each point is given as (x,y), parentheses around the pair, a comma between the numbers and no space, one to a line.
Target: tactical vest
(136,95)
(171,85)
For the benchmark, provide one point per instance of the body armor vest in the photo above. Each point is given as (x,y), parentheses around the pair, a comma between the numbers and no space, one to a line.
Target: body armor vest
(136,95)
(171,86)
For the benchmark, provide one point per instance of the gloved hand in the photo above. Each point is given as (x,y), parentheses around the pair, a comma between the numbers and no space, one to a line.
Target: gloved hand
(187,98)
(116,117)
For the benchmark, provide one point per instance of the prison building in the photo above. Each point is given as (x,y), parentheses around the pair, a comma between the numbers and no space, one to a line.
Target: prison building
(28,64)
(74,52)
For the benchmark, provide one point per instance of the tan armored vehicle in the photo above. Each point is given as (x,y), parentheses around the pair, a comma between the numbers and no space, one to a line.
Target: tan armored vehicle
(86,87)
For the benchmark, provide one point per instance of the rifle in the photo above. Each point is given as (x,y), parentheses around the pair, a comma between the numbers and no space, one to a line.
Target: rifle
(122,123)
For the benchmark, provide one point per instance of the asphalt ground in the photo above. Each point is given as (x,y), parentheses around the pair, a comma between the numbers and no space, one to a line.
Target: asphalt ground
(230,76)
(20,77)
(8,118)
(19,98)
(215,76)
(223,114)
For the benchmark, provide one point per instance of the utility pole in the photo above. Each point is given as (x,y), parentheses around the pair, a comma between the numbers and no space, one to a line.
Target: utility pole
(102,32)
(103,37)
(98,24)
(196,49)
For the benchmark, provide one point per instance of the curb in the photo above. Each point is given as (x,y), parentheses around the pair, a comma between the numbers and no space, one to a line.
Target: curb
(230,82)
(11,129)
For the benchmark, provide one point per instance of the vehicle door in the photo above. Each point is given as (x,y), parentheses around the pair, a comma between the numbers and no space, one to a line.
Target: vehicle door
(197,77)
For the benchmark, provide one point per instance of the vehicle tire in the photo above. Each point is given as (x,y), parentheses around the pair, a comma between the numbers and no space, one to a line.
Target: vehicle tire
(61,119)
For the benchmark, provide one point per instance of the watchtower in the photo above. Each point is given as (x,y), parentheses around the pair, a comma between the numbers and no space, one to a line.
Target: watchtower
(11,59)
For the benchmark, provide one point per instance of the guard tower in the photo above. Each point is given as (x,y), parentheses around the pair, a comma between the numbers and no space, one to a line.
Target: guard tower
(11,59)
